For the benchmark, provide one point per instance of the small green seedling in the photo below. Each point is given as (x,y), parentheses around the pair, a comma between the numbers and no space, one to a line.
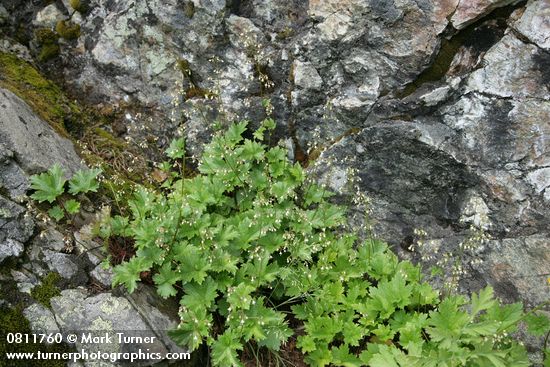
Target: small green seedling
(51,187)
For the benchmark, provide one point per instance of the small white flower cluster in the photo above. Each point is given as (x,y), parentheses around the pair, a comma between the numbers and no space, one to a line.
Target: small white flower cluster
(453,264)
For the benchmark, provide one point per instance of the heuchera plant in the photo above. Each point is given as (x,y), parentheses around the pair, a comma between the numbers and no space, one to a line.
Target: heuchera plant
(50,186)
(256,255)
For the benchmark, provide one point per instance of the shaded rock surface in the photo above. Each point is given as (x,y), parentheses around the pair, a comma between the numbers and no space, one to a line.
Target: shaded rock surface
(469,11)
(28,145)
(481,135)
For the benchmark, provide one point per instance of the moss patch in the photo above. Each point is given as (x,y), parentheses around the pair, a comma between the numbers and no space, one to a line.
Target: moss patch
(12,320)
(45,36)
(189,9)
(80,6)
(48,52)
(197,92)
(44,97)
(47,40)
(44,292)
(67,29)
(284,34)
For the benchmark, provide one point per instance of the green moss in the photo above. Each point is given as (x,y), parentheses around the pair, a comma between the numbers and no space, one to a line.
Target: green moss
(193,90)
(45,36)
(68,30)
(47,40)
(44,97)
(44,292)
(197,92)
(12,320)
(108,140)
(285,33)
(80,6)
(48,52)
(184,67)
(189,9)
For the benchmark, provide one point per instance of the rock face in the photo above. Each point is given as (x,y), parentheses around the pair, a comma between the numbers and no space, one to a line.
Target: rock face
(481,138)
(469,11)
(105,314)
(29,143)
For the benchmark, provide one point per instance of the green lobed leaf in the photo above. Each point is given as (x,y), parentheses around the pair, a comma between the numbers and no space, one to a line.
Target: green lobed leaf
(341,356)
(224,350)
(482,301)
(165,280)
(128,273)
(56,213)
(84,181)
(72,206)
(200,295)
(537,324)
(239,297)
(48,185)
(448,322)
(176,150)
(234,134)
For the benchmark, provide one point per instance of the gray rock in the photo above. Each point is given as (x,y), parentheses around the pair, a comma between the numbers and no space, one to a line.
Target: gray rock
(197,132)
(13,47)
(50,239)
(87,247)
(534,24)
(305,76)
(14,224)
(161,314)
(76,16)
(70,267)
(63,264)
(25,280)
(516,267)
(540,179)
(35,145)
(10,248)
(469,11)
(243,31)
(509,69)
(75,311)
(42,320)
(13,179)
(48,17)
(103,276)
(104,313)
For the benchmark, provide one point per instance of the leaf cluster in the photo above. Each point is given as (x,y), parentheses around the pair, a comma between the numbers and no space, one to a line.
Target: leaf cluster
(51,187)
(251,248)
